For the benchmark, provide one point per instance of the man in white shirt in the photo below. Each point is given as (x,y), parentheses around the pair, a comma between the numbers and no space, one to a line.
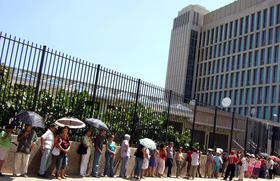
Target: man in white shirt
(125,154)
(47,142)
(270,165)
(194,163)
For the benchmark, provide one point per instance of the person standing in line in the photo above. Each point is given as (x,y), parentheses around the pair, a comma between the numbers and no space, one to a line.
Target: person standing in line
(98,144)
(110,156)
(218,164)
(145,162)
(209,164)
(125,155)
(63,144)
(179,161)
(270,166)
(139,158)
(26,141)
(251,166)
(47,143)
(162,156)
(169,160)
(243,166)
(189,159)
(194,164)
(152,163)
(5,143)
(232,161)
(257,168)
(87,142)
(224,157)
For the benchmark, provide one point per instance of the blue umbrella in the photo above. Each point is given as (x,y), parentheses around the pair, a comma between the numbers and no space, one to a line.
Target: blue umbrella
(148,143)
(31,118)
(97,124)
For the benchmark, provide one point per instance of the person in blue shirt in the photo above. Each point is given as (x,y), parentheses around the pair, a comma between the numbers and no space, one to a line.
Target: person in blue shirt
(218,164)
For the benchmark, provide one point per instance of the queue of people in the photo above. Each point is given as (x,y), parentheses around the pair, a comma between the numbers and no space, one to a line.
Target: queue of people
(221,165)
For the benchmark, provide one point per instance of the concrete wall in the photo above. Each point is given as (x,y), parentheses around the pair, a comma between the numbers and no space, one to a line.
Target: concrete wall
(74,159)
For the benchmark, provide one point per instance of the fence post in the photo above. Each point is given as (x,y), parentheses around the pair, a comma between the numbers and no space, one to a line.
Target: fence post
(94,90)
(214,127)
(193,125)
(39,77)
(135,108)
(231,130)
(168,114)
(246,132)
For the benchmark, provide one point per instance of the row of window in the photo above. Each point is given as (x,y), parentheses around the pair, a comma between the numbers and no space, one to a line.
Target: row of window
(256,21)
(245,60)
(256,76)
(244,97)
(249,42)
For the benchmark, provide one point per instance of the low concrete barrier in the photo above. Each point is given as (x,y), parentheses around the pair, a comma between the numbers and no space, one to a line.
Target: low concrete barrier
(73,166)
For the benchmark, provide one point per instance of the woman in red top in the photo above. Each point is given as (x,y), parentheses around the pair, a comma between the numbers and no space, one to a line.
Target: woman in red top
(162,155)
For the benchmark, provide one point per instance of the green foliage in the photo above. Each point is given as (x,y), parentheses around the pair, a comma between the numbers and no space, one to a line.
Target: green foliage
(54,104)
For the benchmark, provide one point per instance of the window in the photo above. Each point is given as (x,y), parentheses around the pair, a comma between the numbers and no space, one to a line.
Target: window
(216,37)
(247,96)
(231,80)
(226,31)
(241,100)
(229,46)
(236,97)
(266,100)
(234,46)
(245,46)
(211,98)
(252,22)
(199,83)
(221,32)
(263,38)
(246,24)
(225,49)
(223,65)
(257,44)
(258,20)
(241,26)
(222,82)
(228,60)
(244,60)
(226,81)
(268,71)
(265,115)
(278,14)
(203,84)
(277,39)
(270,36)
(220,50)
(204,69)
(207,40)
(217,82)
(214,67)
(271,16)
(210,52)
(242,78)
(276,54)
(259,112)
(269,55)
(212,83)
(250,63)
(246,111)
(260,95)
(233,63)
(207,83)
(275,73)
(249,77)
(237,79)
(218,66)
(206,53)
(273,111)
(274,94)
(209,67)
(202,54)
(235,27)
(262,56)
(230,29)
(256,58)
(240,45)
(255,78)
(215,51)
(238,62)
(253,100)
(203,40)
(212,36)
(261,75)
(251,41)
(265,18)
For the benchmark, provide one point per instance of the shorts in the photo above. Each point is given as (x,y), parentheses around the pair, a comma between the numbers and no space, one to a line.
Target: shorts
(3,152)
(256,171)
(145,163)
(153,161)
(161,166)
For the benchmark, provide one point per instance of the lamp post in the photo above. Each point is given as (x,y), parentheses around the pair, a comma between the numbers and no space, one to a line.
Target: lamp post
(193,103)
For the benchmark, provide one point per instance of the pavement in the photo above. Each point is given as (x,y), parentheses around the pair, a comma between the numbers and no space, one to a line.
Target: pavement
(70,178)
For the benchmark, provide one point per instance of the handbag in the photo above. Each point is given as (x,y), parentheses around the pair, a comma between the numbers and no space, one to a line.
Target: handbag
(55,151)
(82,150)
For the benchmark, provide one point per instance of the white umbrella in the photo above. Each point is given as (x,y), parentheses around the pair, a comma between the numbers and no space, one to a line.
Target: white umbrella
(148,143)
(72,123)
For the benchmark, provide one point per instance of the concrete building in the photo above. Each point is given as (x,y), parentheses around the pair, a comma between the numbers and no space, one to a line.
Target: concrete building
(236,53)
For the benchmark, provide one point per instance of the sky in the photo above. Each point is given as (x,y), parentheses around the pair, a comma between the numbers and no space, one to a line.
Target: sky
(128,36)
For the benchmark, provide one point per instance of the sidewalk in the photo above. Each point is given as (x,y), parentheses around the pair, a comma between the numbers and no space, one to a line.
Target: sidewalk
(10,178)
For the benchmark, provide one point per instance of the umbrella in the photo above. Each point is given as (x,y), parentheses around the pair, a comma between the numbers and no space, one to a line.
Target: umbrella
(31,118)
(97,124)
(148,143)
(265,155)
(275,158)
(73,123)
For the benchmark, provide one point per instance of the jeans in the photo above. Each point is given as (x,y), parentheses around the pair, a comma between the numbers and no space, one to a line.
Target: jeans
(46,161)
(84,163)
(61,162)
(230,171)
(124,166)
(21,160)
(96,161)
(169,164)
(109,161)
(138,166)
